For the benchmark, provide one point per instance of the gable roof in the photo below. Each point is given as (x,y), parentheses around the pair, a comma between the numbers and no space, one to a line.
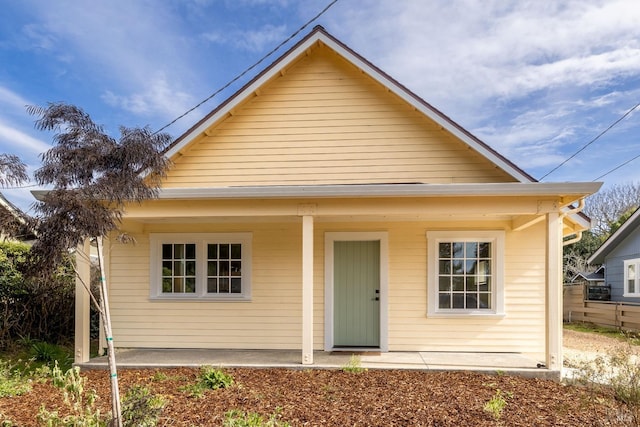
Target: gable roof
(320,36)
(631,224)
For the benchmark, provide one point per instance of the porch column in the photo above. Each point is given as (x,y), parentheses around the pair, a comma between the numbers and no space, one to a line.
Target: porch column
(82,304)
(554,291)
(307,290)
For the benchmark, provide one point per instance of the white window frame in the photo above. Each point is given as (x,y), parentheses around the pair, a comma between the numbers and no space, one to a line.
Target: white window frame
(627,263)
(201,240)
(497,239)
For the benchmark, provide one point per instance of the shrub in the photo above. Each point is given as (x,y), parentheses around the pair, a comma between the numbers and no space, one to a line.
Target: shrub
(237,418)
(79,402)
(618,372)
(12,382)
(209,379)
(51,354)
(140,408)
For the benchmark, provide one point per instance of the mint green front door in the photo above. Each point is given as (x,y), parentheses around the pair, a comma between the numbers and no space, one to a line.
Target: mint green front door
(356,287)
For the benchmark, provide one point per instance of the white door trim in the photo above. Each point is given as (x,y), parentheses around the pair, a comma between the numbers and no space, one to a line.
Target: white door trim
(329,238)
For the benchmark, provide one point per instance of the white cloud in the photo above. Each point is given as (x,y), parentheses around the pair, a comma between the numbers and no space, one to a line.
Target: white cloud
(19,142)
(250,40)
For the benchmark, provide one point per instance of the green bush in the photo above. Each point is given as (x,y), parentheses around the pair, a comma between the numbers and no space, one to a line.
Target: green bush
(38,308)
(12,382)
(209,379)
(140,408)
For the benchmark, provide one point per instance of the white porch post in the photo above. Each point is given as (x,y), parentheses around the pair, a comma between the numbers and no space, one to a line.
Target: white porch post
(554,291)
(307,290)
(82,304)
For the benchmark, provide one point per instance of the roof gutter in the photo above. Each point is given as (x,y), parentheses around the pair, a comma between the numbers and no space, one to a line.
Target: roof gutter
(572,211)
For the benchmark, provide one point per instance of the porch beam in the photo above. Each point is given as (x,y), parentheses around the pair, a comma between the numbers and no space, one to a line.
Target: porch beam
(307,290)
(554,291)
(82,304)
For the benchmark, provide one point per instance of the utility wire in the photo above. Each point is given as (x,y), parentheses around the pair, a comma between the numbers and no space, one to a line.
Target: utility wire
(591,142)
(617,167)
(239,76)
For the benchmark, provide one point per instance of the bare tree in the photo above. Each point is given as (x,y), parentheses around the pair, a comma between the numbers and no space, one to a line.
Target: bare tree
(607,206)
(92,177)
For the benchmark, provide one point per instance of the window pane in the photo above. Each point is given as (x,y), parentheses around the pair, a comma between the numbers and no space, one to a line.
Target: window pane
(470,267)
(212,251)
(236,268)
(178,285)
(224,252)
(445,267)
(445,250)
(458,301)
(458,267)
(212,268)
(472,286)
(178,251)
(484,250)
(224,268)
(166,285)
(167,251)
(458,283)
(444,283)
(190,268)
(458,250)
(236,251)
(631,271)
(190,251)
(190,285)
(444,301)
(178,268)
(471,249)
(472,301)
(212,285)
(223,285)
(236,286)
(167,268)
(485,301)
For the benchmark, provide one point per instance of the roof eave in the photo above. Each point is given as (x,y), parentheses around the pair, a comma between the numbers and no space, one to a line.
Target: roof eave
(612,241)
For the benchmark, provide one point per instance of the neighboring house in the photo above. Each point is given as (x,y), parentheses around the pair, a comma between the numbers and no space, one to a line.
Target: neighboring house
(14,218)
(620,255)
(324,206)
(594,284)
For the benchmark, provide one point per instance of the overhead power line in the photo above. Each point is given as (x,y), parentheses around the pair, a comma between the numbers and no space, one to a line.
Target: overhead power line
(617,167)
(239,76)
(591,142)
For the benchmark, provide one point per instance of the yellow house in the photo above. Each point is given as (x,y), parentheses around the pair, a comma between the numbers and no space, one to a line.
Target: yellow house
(324,206)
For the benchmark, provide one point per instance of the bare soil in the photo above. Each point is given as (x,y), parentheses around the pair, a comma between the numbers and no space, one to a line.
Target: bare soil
(337,398)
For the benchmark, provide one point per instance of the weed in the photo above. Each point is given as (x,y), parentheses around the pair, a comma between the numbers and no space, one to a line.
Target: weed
(79,402)
(354,365)
(495,406)
(159,376)
(12,382)
(140,408)
(4,421)
(618,371)
(209,379)
(237,418)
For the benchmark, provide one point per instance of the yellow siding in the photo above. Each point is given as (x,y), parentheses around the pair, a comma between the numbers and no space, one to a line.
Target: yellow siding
(272,320)
(325,122)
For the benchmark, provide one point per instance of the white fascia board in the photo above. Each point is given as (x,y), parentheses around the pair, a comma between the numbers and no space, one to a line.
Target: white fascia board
(613,240)
(579,189)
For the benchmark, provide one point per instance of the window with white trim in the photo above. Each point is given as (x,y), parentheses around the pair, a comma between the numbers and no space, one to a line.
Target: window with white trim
(632,278)
(201,266)
(465,273)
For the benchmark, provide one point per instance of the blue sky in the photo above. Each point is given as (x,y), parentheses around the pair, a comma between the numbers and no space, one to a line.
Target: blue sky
(536,80)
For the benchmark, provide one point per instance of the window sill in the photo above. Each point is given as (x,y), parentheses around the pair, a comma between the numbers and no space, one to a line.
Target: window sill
(637,295)
(463,315)
(188,298)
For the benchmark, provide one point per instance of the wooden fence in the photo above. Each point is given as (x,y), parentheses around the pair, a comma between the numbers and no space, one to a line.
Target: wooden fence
(613,314)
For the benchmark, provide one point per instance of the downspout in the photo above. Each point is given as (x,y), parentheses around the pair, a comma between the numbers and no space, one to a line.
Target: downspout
(578,234)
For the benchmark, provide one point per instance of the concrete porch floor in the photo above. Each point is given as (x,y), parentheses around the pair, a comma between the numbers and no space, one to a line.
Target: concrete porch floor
(512,363)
